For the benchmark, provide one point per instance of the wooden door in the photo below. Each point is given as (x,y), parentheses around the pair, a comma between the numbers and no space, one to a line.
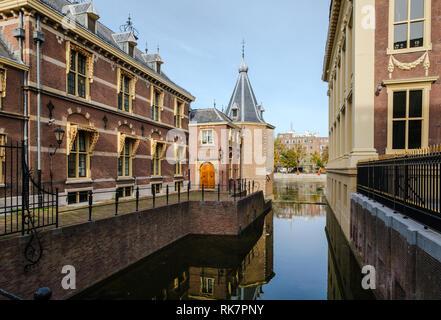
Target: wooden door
(207,176)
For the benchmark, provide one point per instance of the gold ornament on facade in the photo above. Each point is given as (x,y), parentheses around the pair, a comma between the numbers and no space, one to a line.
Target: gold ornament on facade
(410,65)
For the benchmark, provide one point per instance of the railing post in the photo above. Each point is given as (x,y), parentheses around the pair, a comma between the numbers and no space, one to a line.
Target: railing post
(154,197)
(218,193)
(90,205)
(234,191)
(229,186)
(179,193)
(137,199)
(167,192)
(188,191)
(116,203)
(203,193)
(253,186)
(56,208)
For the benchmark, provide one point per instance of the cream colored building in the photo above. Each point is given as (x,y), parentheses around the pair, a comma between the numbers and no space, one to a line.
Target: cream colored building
(349,68)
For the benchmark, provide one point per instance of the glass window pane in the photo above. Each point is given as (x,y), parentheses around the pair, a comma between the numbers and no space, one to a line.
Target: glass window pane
(127,148)
(400,104)
(401,10)
(127,167)
(83,196)
(126,85)
(415,130)
(82,141)
(416,34)
(81,86)
(126,103)
(71,83)
(72,198)
(120,166)
(400,36)
(417,9)
(399,135)
(73,60)
(416,104)
(71,165)
(82,166)
(120,98)
(81,64)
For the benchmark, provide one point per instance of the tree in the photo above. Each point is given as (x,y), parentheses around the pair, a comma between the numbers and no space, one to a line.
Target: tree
(316,159)
(325,156)
(293,157)
(279,148)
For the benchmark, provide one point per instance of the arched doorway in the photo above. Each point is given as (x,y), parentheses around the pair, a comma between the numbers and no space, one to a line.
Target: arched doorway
(207,174)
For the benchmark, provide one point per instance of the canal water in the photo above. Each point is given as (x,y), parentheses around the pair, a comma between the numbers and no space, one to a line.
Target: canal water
(296,252)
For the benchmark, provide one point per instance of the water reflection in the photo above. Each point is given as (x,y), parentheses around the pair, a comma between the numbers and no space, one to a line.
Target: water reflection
(286,255)
(198,267)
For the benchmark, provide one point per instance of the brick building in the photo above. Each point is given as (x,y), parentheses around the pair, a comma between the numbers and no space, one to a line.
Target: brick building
(215,148)
(311,143)
(381,66)
(125,121)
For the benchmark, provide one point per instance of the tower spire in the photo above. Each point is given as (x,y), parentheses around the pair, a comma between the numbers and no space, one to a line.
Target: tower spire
(243,49)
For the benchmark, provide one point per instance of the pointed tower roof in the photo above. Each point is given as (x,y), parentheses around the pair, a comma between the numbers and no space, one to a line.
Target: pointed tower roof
(243,101)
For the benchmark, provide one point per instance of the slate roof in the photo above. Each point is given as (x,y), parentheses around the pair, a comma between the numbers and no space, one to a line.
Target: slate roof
(210,115)
(6,50)
(244,100)
(103,32)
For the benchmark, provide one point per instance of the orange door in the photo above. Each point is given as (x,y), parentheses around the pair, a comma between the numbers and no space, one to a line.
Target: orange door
(207,176)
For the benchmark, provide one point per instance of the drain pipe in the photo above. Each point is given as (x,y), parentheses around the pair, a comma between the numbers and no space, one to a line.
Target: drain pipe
(19,33)
(39,39)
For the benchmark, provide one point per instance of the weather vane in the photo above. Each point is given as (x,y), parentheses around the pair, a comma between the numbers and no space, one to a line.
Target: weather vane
(129,27)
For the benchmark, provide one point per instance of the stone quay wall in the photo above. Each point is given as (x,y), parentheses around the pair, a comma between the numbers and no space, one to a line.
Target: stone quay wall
(405,254)
(100,249)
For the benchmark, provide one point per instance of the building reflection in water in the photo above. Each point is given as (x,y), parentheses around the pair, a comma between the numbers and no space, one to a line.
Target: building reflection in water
(198,267)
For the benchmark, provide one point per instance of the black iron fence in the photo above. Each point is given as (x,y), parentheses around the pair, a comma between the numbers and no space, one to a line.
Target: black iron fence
(410,184)
(25,205)
(53,209)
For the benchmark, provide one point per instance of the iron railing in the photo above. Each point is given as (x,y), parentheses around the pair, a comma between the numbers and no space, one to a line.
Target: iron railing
(410,184)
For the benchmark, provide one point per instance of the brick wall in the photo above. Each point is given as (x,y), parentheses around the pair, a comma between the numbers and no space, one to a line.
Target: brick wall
(99,249)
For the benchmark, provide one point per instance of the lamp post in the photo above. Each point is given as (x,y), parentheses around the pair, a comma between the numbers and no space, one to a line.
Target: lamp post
(59,136)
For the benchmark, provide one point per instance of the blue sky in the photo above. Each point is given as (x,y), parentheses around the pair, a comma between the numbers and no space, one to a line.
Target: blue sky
(200,43)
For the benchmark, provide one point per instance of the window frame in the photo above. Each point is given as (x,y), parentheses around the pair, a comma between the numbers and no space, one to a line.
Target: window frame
(77,153)
(157,160)
(156,105)
(425,87)
(427,45)
(124,156)
(179,113)
(77,74)
(202,137)
(207,279)
(178,160)
(122,94)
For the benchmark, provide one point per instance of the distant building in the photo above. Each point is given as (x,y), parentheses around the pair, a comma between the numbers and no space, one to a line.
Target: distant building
(311,142)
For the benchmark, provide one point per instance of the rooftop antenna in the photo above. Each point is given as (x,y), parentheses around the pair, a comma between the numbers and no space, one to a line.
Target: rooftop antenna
(129,27)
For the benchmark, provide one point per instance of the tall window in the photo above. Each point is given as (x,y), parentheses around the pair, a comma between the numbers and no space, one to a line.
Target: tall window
(77,76)
(156,161)
(124,98)
(407,121)
(156,109)
(178,164)
(125,160)
(207,136)
(207,286)
(409,24)
(78,159)
(178,114)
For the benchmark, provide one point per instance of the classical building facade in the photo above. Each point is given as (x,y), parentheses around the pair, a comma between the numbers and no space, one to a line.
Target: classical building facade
(125,121)
(258,136)
(311,143)
(215,149)
(384,90)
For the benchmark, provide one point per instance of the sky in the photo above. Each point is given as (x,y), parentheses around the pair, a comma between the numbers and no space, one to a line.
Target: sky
(200,42)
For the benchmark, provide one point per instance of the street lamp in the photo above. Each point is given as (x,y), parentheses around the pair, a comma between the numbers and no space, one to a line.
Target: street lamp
(59,136)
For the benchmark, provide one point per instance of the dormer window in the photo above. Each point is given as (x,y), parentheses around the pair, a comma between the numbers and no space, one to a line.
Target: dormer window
(131,50)
(91,23)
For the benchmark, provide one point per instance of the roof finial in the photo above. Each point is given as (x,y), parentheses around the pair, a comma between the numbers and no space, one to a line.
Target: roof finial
(157,48)
(243,48)
(146,47)
(214,103)
(129,27)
